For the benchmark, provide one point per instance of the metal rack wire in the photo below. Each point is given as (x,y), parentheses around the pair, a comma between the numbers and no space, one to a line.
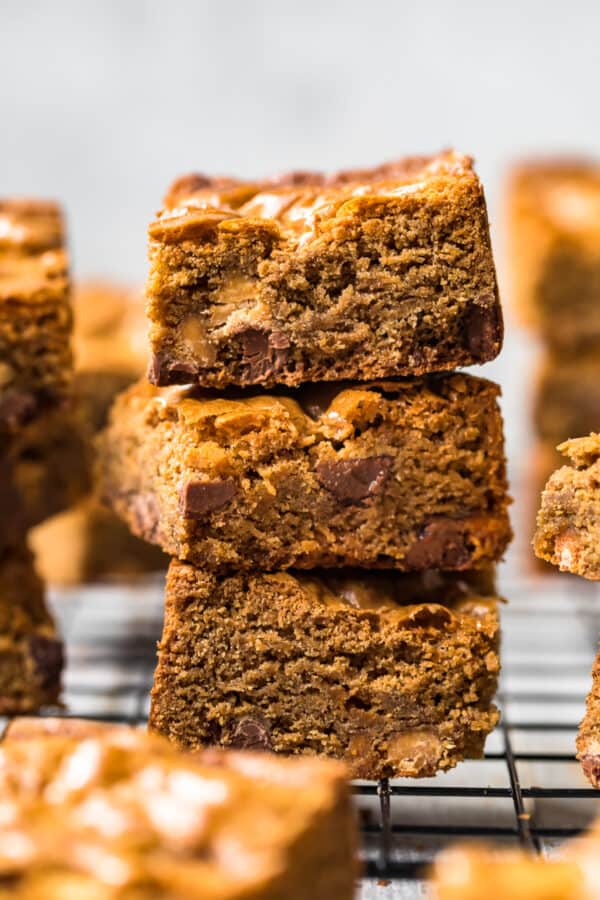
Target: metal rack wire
(528,789)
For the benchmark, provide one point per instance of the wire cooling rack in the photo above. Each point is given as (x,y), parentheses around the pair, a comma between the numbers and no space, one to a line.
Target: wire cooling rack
(527,790)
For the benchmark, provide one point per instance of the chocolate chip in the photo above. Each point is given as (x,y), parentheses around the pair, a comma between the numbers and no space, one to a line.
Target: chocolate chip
(198,498)
(264,353)
(353,480)
(145,513)
(591,769)
(47,656)
(442,544)
(251,734)
(484,330)
(163,372)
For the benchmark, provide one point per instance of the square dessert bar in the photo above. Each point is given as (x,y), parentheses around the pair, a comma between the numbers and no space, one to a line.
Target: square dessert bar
(359,275)
(44,468)
(567,399)
(393,674)
(568,522)
(35,310)
(588,739)
(111,813)
(554,247)
(404,474)
(31,655)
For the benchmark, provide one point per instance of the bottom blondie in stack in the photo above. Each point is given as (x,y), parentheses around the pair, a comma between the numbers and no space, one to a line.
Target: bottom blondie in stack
(43,460)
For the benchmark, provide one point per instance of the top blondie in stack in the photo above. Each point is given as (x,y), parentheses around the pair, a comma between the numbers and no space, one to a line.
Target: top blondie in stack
(297,419)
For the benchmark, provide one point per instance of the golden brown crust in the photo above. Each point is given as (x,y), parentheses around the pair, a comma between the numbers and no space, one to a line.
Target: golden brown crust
(196,204)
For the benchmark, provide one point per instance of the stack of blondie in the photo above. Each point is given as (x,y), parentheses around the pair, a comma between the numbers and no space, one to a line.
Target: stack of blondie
(554,244)
(333,496)
(42,452)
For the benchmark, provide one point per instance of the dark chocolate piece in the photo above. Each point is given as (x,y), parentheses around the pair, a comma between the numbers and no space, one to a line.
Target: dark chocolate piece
(441,545)
(264,353)
(353,480)
(484,331)
(251,734)
(198,498)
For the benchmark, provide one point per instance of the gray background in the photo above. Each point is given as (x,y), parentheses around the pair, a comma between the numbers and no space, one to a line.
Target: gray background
(102,104)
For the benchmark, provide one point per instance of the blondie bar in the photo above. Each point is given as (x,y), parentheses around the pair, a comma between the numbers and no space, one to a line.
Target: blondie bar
(588,739)
(554,244)
(44,468)
(35,310)
(359,275)
(115,814)
(404,474)
(568,522)
(30,649)
(393,674)
(567,400)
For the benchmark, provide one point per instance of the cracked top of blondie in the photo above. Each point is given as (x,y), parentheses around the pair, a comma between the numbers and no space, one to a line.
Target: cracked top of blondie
(298,205)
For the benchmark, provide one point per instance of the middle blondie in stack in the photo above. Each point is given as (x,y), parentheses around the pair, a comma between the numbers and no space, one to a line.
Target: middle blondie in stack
(334,504)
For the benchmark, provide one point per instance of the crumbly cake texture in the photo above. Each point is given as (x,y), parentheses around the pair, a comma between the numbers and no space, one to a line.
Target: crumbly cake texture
(554,249)
(359,275)
(568,522)
(44,468)
(116,814)
(31,654)
(588,739)
(404,474)
(567,398)
(35,310)
(393,674)
(88,544)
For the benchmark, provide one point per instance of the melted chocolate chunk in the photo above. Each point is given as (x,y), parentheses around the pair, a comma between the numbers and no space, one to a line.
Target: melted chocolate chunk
(484,331)
(47,655)
(353,480)
(198,498)
(591,769)
(264,353)
(161,372)
(251,734)
(442,544)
